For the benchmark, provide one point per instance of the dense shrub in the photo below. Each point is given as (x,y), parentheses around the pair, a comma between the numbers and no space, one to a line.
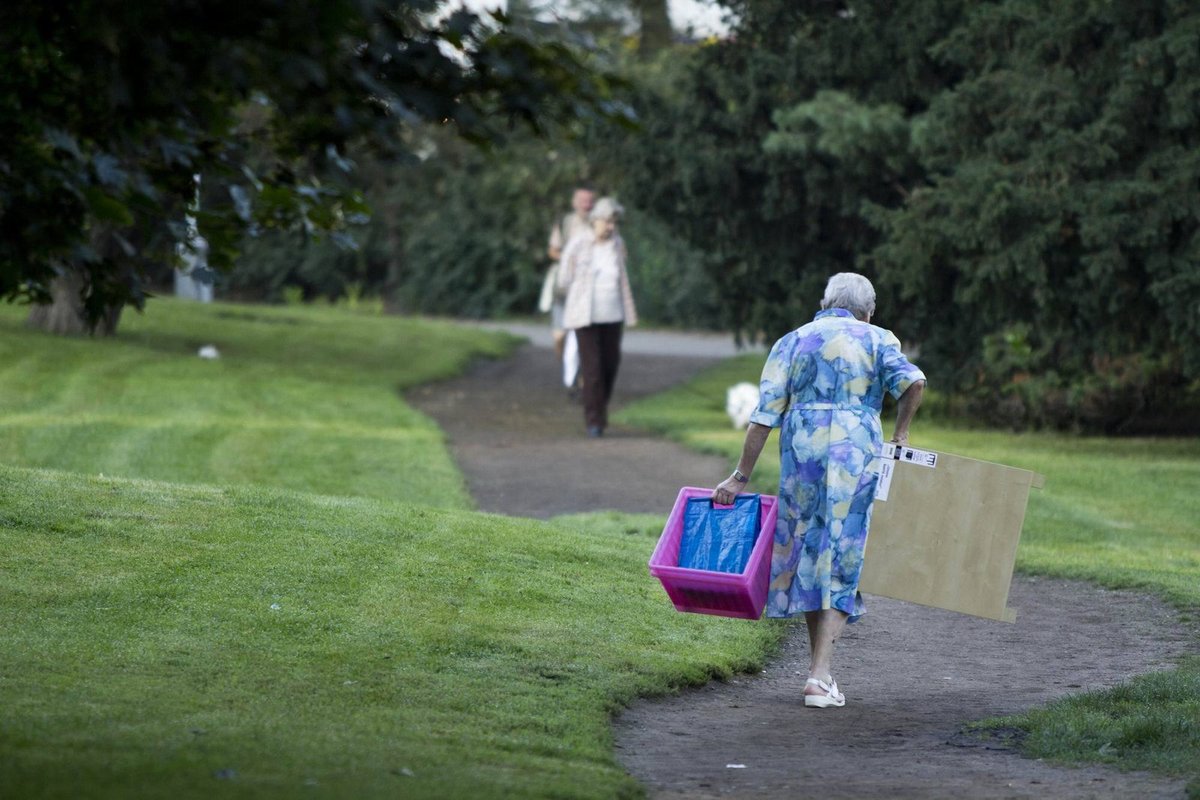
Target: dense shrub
(1018,177)
(464,232)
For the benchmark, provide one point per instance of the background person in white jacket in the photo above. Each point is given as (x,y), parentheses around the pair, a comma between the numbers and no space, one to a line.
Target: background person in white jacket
(565,229)
(599,305)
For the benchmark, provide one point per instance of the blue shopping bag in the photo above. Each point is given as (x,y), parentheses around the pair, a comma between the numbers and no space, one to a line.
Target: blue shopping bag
(719,538)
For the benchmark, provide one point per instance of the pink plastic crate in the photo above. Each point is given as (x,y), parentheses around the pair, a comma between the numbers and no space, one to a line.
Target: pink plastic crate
(726,594)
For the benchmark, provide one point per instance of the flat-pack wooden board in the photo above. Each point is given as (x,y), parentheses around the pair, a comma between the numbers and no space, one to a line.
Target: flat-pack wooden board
(944,531)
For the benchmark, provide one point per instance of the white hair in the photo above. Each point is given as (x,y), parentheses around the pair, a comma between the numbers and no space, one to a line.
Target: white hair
(850,291)
(606,208)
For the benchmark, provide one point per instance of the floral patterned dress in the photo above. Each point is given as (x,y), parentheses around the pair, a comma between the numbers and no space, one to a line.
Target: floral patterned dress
(824,384)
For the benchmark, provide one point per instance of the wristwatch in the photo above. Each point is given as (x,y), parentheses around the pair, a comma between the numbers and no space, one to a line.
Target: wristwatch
(739,477)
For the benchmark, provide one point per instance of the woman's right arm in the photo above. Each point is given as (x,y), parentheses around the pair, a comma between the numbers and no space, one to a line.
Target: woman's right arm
(906,407)
(566,266)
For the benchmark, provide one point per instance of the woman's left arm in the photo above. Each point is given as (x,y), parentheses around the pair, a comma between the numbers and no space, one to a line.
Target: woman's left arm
(756,438)
(631,318)
(773,399)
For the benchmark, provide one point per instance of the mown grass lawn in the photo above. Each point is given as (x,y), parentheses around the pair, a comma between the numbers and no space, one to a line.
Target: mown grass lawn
(284,612)
(1119,512)
(301,398)
(163,640)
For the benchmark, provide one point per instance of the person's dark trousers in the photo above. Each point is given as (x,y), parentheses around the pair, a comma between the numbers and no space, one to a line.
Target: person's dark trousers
(599,357)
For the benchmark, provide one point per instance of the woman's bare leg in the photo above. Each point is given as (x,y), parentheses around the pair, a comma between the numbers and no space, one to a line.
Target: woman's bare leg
(824,628)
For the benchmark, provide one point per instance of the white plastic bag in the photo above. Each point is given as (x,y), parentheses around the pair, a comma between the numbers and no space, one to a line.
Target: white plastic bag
(570,360)
(546,299)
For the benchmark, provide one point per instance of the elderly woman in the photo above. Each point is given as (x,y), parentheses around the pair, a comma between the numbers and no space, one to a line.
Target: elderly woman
(599,304)
(824,384)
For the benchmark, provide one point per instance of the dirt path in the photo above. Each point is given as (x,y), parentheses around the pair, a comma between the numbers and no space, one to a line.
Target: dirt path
(912,675)
(520,442)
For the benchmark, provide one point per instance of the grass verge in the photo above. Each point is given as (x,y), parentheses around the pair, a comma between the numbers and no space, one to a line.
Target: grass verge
(247,631)
(302,398)
(1118,512)
(179,641)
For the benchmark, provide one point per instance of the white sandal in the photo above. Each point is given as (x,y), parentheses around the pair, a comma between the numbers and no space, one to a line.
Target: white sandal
(831,699)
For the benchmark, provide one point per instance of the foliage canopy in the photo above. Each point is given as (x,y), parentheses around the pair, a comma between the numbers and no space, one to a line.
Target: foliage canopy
(462,230)
(1018,177)
(108,109)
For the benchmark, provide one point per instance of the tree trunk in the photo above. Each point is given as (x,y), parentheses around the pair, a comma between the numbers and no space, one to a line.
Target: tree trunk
(65,315)
(656,26)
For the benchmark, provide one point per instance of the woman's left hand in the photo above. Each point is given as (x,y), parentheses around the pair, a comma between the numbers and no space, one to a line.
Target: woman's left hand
(727,492)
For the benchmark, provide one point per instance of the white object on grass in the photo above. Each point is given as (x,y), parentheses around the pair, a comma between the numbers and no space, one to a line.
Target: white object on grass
(740,401)
(209,351)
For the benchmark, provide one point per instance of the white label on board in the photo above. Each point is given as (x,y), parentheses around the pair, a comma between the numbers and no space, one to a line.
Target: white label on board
(886,467)
(925,458)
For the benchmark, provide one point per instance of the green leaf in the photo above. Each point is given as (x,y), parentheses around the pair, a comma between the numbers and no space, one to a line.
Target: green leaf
(106,208)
